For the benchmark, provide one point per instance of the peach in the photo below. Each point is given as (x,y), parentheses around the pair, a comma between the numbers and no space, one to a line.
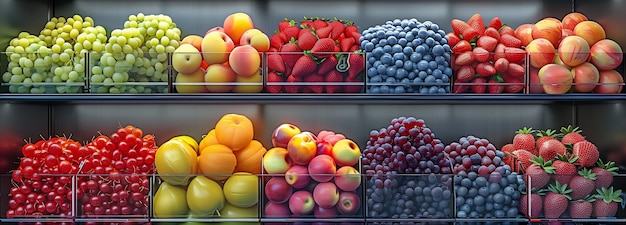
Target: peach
(216,47)
(555,79)
(573,51)
(586,77)
(535,86)
(570,20)
(186,59)
(557,60)
(548,28)
(525,33)
(194,77)
(236,24)
(541,52)
(251,84)
(302,148)
(256,38)
(220,29)
(245,60)
(606,54)
(611,82)
(194,40)
(221,75)
(567,33)
(591,31)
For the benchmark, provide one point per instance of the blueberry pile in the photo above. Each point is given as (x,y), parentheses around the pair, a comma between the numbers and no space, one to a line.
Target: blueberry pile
(407,56)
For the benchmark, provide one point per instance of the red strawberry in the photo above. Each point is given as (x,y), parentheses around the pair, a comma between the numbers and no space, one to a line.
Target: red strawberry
(582,184)
(485,69)
(276,41)
(333,76)
(587,153)
(487,42)
(537,175)
(306,22)
(354,47)
(354,88)
(292,88)
(324,32)
(510,41)
(501,65)
(580,209)
(524,139)
(346,44)
(571,135)
(275,63)
(499,52)
(606,202)
(523,158)
(515,70)
(324,47)
(604,173)
(351,30)
(495,88)
(284,24)
(313,78)
(481,54)
(495,23)
(327,65)
(303,66)
(462,46)
(306,39)
(356,36)
(508,148)
(514,55)
(460,88)
(319,23)
(476,21)
(290,53)
(357,64)
(291,31)
(564,169)
(536,205)
(274,77)
(465,58)
(478,85)
(514,85)
(464,74)
(452,39)
(506,30)
(492,32)
(338,28)
(544,135)
(463,29)
(556,201)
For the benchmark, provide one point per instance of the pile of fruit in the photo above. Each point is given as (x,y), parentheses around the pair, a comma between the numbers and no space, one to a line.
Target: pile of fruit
(230,54)
(407,56)
(303,56)
(54,60)
(571,55)
(407,146)
(487,59)
(214,178)
(311,176)
(112,175)
(485,186)
(564,175)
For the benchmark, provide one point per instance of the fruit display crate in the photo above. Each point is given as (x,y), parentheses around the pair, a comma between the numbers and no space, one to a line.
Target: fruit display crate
(116,73)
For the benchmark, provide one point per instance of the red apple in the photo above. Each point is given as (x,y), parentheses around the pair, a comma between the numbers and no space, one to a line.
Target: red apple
(326,194)
(535,85)
(611,82)
(274,210)
(606,54)
(278,190)
(325,213)
(349,202)
(298,176)
(346,153)
(282,134)
(324,148)
(541,52)
(586,77)
(302,148)
(322,168)
(348,178)
(301,203)
(276,161)
(220,29)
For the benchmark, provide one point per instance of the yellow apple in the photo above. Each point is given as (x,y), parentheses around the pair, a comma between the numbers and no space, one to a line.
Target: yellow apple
(186,59)
(194,77)
(256,38)
(220,75)
(255,83)
(216,47)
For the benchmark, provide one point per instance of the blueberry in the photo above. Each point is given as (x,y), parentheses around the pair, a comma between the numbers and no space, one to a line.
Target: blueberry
(376,79)
(408,65)
(422,65)
(437,37)
(374,90)
(430,41)
(494,188)
(424,90)
(397,22)
(431,33)
(374,41)
(387,49)
(432,65)
(399,56)
(441,32)
(403,41)
(422,74)
(437,73)
(445,79)
(392,40)
(380,34)
(390,33)
(372,72)
(416,57)
(402,33)
(386,59)
(448,71)
(399,63)
(422,33)
(391,80)
(396,48)
(364,43)
(481,181)
(437,50)
(407,51)
(416,42)
(484,191)
(382,69)
(461,214)
(369,46)
(405,81)
(384,89)
(409,37)
(377,52)
(434,26)
(367,36)
(428,57)
(488,206)
(382,42)
(401,73)
(399,90)
(377,63)
(371,60)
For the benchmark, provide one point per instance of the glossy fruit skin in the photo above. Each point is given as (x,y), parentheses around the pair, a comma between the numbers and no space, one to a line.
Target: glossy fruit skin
(249,158)
(242,190)
(178,159)
(170,201)
(235,131)
(217,162)
(204,196)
